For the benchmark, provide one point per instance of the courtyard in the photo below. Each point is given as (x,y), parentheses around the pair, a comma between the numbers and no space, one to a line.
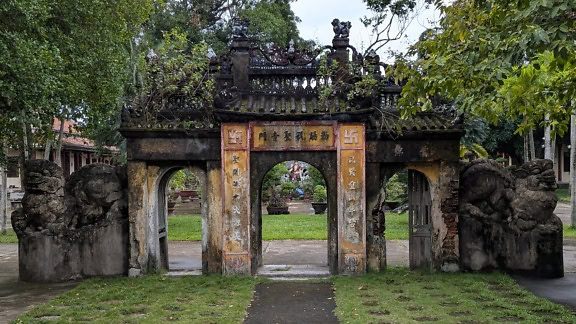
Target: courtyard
(397,296)
(283,161)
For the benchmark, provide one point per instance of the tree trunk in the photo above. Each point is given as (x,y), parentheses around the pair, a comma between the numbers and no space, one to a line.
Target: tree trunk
(532,146)
(25,147)
(4,195)
(48,149)
(548,140)
(58,159)
(526,148)
(573,170)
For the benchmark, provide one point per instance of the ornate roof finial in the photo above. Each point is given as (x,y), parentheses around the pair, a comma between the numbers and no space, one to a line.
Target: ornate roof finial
(341,29)
(239,28)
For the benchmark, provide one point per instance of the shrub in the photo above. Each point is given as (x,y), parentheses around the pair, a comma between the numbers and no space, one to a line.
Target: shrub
(319,194)
(308,188)
(276,200)
(287,189)
(397,187)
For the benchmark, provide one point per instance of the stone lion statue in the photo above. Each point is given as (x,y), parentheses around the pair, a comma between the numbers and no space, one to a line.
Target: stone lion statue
(507,218)
(93,194)
(341,28)
(43,202)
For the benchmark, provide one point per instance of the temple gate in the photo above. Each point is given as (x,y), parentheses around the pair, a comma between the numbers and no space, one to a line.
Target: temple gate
(271,106)
(268,109)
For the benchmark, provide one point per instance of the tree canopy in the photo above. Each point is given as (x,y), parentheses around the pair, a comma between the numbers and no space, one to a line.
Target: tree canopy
(64,57)
(497,58)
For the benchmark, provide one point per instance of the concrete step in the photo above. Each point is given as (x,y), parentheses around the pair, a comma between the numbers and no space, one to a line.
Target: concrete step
(183,273)
(293,272)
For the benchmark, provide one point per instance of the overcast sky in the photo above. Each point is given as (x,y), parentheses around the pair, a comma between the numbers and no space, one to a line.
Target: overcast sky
(317,15)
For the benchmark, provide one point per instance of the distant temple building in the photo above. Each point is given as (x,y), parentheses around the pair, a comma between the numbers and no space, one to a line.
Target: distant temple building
(76,152)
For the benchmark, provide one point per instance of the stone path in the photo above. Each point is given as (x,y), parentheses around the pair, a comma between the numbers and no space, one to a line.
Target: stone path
(18,297)
(292,303)
(561,290)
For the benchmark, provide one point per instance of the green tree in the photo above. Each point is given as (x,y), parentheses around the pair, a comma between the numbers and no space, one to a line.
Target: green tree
(316,177)
(389,20)
(272,22)
(63,59)
(274,177)
(209,21)
(497,58)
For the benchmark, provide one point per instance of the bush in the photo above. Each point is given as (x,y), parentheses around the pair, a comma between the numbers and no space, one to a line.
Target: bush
(308,188)
(273,177)
(397,187)
(319,194)
(287,189)
(315,177)
(276,200)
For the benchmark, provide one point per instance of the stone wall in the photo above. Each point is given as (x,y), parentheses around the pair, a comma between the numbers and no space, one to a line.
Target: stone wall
(75,229)
(507,219)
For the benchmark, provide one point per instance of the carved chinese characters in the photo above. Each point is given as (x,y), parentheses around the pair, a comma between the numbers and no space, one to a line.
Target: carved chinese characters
(351,194)
(236,204)
(290,136)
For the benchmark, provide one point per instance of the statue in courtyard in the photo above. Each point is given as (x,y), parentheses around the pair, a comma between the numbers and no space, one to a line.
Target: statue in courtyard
(43,203)
(75,228)
(93,194)
(507,218)
(341,28)
(239,28)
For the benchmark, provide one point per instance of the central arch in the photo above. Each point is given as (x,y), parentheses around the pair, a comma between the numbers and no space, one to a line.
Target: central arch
(260,164)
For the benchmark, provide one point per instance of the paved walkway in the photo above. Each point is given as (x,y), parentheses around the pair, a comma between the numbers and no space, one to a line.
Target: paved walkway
(19,297)
(291,302)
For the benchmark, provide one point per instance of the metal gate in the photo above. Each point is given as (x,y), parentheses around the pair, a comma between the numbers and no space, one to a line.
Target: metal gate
(420,215)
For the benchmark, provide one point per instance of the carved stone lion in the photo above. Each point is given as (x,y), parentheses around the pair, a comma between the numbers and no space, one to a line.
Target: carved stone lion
(239,28)
(507,218)
(43,203)
(341,28)
(94,193)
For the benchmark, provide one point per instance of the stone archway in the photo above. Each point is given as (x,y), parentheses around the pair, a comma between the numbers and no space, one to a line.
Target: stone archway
(326,163)
(343,144)
(158,216)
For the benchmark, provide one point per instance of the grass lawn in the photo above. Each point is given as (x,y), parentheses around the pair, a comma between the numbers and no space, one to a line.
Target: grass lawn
(281,227)
(9,237)
(401,296)
(275,227)
(396,296)
(563,195)
(569,232)
(153,299)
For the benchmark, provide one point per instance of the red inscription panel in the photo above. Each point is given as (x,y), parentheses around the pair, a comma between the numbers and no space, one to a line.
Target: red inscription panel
(351,199)
(236,199)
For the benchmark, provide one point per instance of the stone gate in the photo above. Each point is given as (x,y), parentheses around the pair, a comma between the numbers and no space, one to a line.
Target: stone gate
(268,109)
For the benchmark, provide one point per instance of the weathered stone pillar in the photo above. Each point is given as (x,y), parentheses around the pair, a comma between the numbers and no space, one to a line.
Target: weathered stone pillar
(448,198)
(138,217)
(375,240)
(212,207)
(352,199)
(236,199)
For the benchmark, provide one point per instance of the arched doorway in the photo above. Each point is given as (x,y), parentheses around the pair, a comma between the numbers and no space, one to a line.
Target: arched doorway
(325,162)
(181,235)
(294,220)
(409,220)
